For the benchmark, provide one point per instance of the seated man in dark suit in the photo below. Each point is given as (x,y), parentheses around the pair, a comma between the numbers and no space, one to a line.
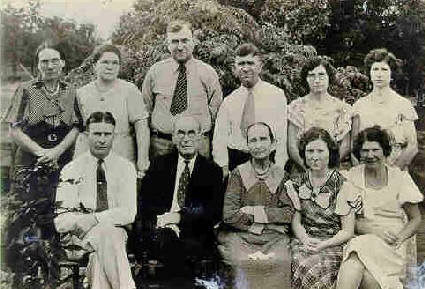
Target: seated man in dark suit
(181,200)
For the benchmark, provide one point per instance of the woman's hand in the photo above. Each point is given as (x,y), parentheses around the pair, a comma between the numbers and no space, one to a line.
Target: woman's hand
(48,156)
(311,244)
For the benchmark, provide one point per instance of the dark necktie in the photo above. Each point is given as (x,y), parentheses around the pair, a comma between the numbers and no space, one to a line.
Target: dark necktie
(248,113)
(183,184)
(179,102)
(102,196)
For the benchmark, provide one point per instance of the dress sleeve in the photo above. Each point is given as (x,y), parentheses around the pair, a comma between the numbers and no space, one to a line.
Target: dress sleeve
(77,117)
(409,112)
(16,111)
(284,210)
(135,105)
(232,215)
(296,113)
(292,194)
(408,192)
(343,121)
(348,198)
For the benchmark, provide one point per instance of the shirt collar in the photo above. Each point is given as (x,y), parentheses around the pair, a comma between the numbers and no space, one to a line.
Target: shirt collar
(38,83)
(254,88)
(181,160)
(175,64)
(94,159)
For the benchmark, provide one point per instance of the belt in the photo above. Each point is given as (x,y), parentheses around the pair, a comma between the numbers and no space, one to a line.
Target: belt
(169,136)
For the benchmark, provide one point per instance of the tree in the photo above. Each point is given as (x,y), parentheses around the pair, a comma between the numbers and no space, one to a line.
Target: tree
(24,29)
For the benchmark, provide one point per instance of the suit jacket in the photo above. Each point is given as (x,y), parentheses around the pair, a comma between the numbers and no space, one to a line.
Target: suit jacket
(203,201)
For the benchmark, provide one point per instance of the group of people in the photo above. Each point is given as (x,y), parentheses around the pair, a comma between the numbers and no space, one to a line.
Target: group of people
(249,178)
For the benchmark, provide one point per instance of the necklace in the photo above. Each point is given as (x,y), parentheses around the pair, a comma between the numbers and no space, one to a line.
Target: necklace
(261,173)
(51,92)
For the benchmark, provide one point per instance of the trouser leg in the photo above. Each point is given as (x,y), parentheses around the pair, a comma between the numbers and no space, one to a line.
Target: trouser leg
(109,266)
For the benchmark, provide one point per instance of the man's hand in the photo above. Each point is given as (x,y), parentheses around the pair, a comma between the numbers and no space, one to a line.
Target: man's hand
(84,224)
(167,219)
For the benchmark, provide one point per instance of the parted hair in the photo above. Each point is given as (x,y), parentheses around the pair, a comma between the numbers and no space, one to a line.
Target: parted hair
(271,135)
(378,55)
(376,134)
(177,25)
(315,62)
(100,116)
(98,52)
(248,49)
(316,133)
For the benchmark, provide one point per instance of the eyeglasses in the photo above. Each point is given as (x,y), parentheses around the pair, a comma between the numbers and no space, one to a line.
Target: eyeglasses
(46,62)
(191,134)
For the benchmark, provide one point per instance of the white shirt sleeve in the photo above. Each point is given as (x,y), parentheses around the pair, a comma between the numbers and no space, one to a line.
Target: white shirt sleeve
(221,136)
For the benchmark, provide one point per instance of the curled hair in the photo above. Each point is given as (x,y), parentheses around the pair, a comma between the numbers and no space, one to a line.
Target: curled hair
(100,116)
(98,52)
(315,62)
(271,135)
(316,133)
(378,55)
(177,25)
(376,134)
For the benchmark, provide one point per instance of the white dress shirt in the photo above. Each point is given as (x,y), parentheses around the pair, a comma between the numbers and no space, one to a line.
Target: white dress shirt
(270,107)
(79,186)
(180,168)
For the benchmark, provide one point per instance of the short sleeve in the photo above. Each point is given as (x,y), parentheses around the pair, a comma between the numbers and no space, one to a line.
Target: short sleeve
(408,191)
(15,113)
(296,113)
(135,105)
(293,195)
(409,112)
(348,198)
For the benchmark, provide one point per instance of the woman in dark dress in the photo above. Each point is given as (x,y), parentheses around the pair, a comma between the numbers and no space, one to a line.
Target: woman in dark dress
(44,121)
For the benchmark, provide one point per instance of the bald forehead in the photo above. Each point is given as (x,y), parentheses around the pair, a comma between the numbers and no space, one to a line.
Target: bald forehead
(187,123)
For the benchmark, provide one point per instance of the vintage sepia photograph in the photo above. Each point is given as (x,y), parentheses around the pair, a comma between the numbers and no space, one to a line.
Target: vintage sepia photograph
(212,144)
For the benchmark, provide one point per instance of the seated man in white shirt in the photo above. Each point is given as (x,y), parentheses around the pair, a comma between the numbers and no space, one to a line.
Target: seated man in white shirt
(254,101)
(96,197)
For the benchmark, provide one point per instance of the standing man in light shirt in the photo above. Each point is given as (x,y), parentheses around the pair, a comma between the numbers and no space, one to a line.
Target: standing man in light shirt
(254,101)
(180,85)
(95,199)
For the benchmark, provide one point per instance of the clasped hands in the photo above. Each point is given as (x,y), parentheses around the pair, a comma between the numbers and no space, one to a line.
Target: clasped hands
(313,244)
(48,156)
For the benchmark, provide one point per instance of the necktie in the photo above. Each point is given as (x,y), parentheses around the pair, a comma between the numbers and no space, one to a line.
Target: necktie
(102,197)
(248,113)
(183,184)
(179,102)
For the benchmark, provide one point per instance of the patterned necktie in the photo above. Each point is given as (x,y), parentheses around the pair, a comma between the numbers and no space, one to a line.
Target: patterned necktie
(248,113)
(102,197)
(183,184)
(179,102)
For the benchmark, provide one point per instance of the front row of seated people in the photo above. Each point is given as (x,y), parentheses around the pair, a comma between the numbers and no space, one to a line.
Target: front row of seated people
(348,230)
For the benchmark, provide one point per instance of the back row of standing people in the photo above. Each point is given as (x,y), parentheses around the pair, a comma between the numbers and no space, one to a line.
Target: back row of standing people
(47,116)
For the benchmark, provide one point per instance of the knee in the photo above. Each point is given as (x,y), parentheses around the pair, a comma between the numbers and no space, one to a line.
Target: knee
(354,262)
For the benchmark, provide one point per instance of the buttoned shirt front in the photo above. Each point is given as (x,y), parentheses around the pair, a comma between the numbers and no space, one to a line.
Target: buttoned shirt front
(181,164)
(204,93)
(270,107)
(78,186)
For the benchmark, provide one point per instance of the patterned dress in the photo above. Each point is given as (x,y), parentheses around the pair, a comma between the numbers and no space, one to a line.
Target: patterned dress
(257,247)
(46,118)
(320,216)
(332,115)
